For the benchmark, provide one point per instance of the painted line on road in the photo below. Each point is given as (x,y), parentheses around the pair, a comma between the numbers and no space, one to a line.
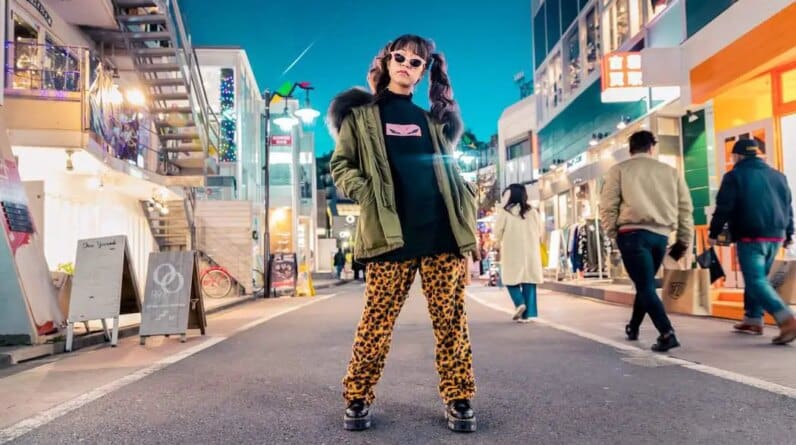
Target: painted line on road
(705,369)
(25,426)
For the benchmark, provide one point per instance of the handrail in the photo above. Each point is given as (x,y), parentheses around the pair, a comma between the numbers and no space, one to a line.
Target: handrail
(210,127)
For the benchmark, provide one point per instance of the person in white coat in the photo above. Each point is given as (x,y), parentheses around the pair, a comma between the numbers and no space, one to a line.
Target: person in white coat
(518,231)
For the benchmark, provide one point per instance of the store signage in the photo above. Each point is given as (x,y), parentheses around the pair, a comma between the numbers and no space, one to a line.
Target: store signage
(104,285)
(284,271)
(577,162)
(42,10)
(172,300)
(622,77)
(282,140)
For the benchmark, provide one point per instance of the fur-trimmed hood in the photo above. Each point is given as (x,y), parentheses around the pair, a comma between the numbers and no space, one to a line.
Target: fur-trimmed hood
(346,101)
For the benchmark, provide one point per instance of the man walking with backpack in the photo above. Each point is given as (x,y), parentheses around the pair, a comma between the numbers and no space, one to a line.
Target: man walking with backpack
(754,200)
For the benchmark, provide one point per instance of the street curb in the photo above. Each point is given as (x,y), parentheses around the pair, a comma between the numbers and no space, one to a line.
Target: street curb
(9,359)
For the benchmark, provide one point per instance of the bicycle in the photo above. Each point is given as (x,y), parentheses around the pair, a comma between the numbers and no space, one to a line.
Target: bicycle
(258,281)
(216,282)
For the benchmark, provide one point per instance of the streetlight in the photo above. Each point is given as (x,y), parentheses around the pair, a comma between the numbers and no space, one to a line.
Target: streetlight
(286,122)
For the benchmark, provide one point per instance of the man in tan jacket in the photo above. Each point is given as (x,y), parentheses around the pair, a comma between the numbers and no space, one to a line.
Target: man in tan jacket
(643,201)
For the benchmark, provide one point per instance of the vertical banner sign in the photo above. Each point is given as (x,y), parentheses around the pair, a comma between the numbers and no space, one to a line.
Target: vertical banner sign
(104,284)
(172,300)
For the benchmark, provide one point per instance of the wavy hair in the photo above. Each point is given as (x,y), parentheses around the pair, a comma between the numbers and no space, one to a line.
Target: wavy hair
(440,93)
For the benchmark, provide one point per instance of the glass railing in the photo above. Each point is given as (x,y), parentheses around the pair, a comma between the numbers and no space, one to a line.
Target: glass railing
(48,71)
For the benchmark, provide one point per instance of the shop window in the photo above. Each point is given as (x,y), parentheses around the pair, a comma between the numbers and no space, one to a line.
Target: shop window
(593,47)
(616,24)
(555,81)
(61,70)
(573,63)
(26,72)
(543,100)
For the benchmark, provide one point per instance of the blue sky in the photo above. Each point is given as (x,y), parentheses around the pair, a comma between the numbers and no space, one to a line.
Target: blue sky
(486,43)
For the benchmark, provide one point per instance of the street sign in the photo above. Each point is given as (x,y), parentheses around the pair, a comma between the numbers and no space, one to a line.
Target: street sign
(172,300)
(283,140)
(104,285)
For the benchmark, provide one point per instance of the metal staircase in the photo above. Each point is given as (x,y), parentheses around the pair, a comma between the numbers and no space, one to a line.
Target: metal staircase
(167,66)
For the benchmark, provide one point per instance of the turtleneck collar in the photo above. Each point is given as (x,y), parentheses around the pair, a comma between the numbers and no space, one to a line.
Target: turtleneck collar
(390,95)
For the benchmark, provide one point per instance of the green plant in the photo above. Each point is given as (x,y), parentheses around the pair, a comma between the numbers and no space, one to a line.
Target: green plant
(67,268)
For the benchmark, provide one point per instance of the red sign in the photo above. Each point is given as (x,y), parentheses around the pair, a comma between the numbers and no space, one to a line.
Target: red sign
(622,70)
(283,140)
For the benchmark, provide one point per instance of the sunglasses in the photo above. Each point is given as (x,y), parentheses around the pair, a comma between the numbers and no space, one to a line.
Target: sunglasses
(414,62)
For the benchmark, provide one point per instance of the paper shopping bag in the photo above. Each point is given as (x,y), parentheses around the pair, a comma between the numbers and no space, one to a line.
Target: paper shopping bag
(783,278)
(686,291)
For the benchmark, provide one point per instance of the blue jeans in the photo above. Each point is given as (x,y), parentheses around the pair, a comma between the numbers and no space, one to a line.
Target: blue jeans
(756,260)
(524,293)
(642,254)
(339,270)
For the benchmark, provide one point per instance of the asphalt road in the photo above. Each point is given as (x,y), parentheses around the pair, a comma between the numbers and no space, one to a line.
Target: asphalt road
(279,383)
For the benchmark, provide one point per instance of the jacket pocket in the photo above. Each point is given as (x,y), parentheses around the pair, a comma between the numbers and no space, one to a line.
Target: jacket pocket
(388,196)
(369,226)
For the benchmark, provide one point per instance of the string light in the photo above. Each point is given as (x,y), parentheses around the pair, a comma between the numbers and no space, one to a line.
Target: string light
(228,150)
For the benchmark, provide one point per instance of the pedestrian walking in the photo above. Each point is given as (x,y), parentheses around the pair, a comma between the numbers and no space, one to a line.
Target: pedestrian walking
(416,214)
(754,200)
(643,201)
(339,263)
(518,231)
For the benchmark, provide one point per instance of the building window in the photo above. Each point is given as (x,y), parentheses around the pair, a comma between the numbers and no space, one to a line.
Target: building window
(573,62)
(656,7)
(518,149)
(593,47)
(556,80)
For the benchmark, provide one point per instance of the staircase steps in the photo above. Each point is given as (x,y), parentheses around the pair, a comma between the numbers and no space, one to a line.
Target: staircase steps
(160,68)
(178,95)
(156,36)
(155,52)
(190,148)
(184,136)
(146,19)
(174,110)
(127,4)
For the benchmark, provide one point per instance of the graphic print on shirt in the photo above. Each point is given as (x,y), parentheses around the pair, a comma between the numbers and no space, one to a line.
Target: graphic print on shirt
(404,130)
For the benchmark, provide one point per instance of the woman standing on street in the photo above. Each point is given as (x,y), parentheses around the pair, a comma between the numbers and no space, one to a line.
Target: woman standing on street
(518,230)
(416,214)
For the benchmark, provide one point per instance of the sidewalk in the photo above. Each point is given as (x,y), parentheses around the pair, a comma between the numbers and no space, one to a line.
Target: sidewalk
(705,340)
(128,326)
(92,371)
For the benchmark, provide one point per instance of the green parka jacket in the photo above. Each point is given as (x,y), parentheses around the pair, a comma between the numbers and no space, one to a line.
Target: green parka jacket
(360,168)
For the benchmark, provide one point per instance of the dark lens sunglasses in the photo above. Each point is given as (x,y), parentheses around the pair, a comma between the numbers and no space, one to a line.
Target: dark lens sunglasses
(414,62)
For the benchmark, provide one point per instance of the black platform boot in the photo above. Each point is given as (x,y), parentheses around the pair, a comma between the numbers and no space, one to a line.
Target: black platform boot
(461,417)
(357,416)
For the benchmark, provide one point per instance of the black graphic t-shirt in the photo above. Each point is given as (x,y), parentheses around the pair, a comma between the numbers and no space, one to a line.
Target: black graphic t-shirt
(424,219)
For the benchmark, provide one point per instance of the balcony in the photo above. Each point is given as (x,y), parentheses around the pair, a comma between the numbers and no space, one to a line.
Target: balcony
(60,96)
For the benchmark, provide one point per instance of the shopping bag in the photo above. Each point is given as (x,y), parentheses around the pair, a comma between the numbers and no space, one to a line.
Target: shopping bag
(686,291)
(710,261)
(783,278)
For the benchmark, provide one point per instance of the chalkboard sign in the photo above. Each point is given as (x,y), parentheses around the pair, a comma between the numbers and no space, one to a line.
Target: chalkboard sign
(104,285)
(172,300)
(284,271)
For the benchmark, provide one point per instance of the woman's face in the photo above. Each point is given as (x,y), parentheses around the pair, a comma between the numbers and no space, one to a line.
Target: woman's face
(405,67)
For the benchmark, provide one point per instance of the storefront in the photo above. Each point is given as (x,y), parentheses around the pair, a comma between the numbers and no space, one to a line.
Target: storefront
(748,91)
(577,246)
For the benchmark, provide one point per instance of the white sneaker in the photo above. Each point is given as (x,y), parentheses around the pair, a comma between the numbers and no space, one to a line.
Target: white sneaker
(518,313)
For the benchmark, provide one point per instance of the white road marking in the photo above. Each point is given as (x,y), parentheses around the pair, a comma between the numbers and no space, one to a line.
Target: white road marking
(25,426)
(705,369)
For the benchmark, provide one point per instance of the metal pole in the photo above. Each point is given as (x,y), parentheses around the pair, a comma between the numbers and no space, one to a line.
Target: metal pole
(267,196)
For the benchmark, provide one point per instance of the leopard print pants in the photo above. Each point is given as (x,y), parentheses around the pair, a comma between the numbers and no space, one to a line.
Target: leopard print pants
(388,283)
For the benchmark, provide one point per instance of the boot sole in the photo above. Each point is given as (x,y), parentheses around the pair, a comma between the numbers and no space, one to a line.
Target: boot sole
(356,423)
(460,425)
(747,332)
(785,339)
(676,345)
